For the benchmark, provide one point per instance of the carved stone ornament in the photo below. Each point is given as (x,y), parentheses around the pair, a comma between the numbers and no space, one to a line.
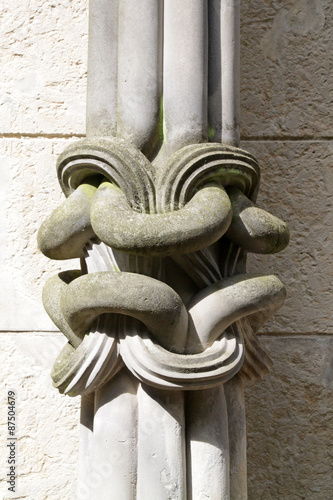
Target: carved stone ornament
(162,316)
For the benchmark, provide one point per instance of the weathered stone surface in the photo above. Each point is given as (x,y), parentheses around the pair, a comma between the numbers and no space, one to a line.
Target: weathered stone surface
(47,423)
(254,229)
(297,186)
(286,53)
(286,91)
(29,190)
(289,422)
(43,66)
(286,88)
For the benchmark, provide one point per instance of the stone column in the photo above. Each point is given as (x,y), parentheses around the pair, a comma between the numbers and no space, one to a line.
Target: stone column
(161,318)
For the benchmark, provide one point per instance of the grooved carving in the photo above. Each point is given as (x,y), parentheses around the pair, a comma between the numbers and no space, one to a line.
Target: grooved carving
(163,289)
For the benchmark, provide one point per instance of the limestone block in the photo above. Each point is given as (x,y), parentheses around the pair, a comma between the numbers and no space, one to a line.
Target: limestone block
(297,186)
(289,422)
(28,191)
(286,54)
(43,66)
(47,423)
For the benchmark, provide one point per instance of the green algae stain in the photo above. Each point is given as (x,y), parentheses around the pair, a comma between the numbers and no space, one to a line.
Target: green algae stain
(211,133)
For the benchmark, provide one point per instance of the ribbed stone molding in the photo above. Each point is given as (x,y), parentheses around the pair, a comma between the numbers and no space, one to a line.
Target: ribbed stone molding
(160,207)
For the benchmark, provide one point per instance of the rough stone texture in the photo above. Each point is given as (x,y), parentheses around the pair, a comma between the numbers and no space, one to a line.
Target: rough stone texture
(43,66)
(297,186)
(47,425)
(290,448)
(289,420)
(29,190)
(286,53)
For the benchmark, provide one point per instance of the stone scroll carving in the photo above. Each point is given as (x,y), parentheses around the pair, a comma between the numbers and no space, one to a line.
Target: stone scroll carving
(162,301)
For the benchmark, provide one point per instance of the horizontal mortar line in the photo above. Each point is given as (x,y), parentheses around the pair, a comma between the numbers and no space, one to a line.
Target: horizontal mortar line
(260,335)
(27,135)
(295,335)
(46,332)
(286,138)
(40,136)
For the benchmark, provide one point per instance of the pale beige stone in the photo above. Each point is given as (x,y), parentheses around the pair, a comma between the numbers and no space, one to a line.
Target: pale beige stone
(43,66)
(286,54)
(289,422)
(47,423)
(286,91)
(29,190)
(297,186)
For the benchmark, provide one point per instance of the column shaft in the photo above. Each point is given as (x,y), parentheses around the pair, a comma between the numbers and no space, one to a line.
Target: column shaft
(140,72)
(224,71)
(207,445)
(161,444)
(114,456)
(102,68)
(234,392)
(185,73)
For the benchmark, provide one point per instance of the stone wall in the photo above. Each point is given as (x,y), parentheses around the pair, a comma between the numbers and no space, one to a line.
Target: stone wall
(287,121)
(42,103)
(286,116)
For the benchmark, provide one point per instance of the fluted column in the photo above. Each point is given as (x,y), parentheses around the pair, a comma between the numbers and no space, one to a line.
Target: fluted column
(102,68)
(140,73)
(224,71)
(161,320)
(185,73)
